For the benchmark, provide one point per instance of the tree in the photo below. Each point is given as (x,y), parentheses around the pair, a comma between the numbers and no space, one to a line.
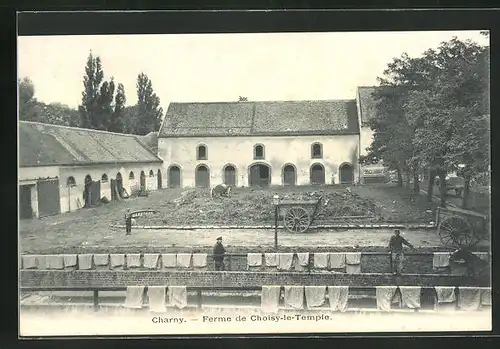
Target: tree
(27,100)
(104,105)
(149,113)
(89,109)
(117,121)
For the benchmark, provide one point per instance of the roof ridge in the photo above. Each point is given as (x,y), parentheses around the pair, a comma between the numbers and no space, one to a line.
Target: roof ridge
(76,128)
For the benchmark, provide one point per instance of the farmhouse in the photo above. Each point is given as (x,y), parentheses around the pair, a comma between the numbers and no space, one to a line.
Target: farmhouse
(62,169)
(260,143)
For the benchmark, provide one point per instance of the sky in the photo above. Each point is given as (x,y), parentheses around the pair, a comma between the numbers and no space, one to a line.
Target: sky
(222,67)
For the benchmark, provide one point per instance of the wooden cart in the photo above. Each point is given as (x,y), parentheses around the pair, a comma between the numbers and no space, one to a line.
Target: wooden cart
(299,215)
(458,227)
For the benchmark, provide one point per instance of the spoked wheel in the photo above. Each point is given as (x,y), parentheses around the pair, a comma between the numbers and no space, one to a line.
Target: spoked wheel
(297,220)
(456,231)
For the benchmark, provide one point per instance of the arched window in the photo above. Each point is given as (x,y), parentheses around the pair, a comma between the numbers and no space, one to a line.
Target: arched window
(258,152)
(71,182)
(316,151)
(131,175)
(201,152)
(151,173)
(104,178)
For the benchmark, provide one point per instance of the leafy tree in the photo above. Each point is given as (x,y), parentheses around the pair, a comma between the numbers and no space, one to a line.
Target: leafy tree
(89,109)
(105,105)
(27,100)
(117,121)
(149,113)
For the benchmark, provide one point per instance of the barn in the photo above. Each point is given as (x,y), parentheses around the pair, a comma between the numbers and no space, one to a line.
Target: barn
(260,143)
(63,169)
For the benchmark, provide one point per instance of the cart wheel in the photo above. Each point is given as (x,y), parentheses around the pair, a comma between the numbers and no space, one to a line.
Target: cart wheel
(455,231)
(297,220)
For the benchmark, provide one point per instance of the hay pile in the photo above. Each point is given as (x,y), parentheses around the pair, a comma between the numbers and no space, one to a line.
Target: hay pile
(254,207)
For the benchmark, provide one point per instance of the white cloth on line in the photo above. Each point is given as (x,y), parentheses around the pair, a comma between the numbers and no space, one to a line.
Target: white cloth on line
(445,294)
(315,296)
(157,298)
(70,260)
(270,298)
(285,261)
(254,259)
(55,261)
(353,258)
(134,297)
(441,259)
(169,260)
(151,260)
(199,260)
(469,298)
(353,268)
(101,259)
(133,260)
(84,261)
(117,260)
(337,260)
(485,295)
(410,296)
(29,261)
(294,297)
(338,297)
(271,259)
(184,260)
(384,295)
(177,296)
(303,258)
(321,260)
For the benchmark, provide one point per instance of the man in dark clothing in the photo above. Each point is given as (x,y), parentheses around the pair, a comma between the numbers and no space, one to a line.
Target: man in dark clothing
(128,222)
(218,253)
(475,265)
(396,248)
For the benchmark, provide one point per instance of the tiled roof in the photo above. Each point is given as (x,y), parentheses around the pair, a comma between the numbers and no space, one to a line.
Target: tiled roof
(260,118)
(46,145)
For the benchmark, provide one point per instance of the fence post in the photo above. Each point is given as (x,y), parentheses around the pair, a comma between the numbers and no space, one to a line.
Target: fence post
(96,300)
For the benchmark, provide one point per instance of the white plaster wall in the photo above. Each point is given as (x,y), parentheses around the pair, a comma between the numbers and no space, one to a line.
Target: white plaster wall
(279,150)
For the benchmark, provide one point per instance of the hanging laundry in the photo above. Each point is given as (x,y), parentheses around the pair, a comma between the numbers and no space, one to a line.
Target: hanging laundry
(294,297)
(28,261)
(321,260)
(157,298)
(200,260)
(177,296)
(169,260)
(84,261)
(41,261)
(469,298)
(133,260)
(270,298)
(301,261)
(271,259)
(184,260)
(337,260)
(285,261)
(485,295)
(151,260)
(315,296)
(55,261)
(254,260)
(101,259)
(338,297)
(445,294)
(410,296)
(117,260)
(134,297)
(353,258)
(70,260)
(441,259)
(384,295)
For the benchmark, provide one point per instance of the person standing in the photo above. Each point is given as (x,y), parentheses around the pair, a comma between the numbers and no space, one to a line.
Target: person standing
(218,254)
(397,255)
(128,222)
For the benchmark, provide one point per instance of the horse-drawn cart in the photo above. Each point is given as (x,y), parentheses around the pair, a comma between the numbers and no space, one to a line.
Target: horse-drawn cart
(458,227)
(299,215)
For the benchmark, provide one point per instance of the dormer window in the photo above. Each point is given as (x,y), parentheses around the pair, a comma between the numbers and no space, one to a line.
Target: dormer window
(316,151)
(258,152)
(201,152)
